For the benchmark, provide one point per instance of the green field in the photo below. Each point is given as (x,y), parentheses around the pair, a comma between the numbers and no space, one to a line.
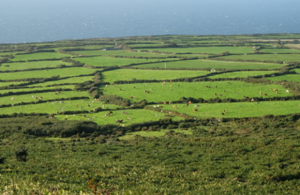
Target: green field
(119,53)
(65,81)
(129,74)
(280,50)
(241,74)
(9,83)
(291,77)
(238,110)
(65,72)
(135,116)
(161,93)
(29,65)
(46,96)
(41,55)
(264,57)
(52,107)
(209,50)
(109,61)
(37,89)
(210,64)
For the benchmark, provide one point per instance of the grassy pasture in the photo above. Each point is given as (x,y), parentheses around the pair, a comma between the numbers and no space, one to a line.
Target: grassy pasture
(53,107)
(29,65)
(40,55)
(210,64)
(280,50)
(46,96)
(62,72)
(160,93)
(119,53)
(109,61)
(239,109)
(136,116)
(209,50)
(135,46)
(39,88)
(69,80)
(241,74)
(152,133)
(263,57)
(9,83)
(291,77)
(129,74)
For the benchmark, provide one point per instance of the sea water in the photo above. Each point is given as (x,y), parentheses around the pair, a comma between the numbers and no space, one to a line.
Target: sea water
(50,20)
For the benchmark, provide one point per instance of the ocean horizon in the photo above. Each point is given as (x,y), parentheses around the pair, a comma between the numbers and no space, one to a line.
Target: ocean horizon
(44,21)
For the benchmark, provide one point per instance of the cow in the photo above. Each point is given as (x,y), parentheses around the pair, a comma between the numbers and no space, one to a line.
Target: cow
(66,116)
(224,90)
(175,107)
(171,81)
(195,110)
(220,95)
(190,102)
(103,106)
(170,102)
(150,89)
(119,89)
(215,94)
(252,100)
(40,97)
(171,85)
(178,85)
(106,85)
(131,97)
(171,89)
(119,121)
(13,98)
(88,105)
(287,91)
(56,112)
(260,92)
(107,114)
(265,94)
(275,90)
(165,103)
(84,116)
(216,86)
(133,87)
(223,111)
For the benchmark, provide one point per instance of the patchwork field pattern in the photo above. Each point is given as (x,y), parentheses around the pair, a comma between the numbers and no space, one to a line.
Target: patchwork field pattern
(151,115)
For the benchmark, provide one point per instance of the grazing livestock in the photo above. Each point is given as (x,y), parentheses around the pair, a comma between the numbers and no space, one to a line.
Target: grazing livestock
(171,81)
(260,92)
(119,89)
(13,98)
(103,106)
(102,89)
(171,89)
(128,118)
(220,95)
(40,97)
(171,85)
(195,110)
(215,94)
(150,89)
(165,103)
(197,105)
(224,90)
(80,108)
(223,111)
(56,112)
(170,102)
(216,86)
(107,114)
(88,105)
(178,85)
(275,90)
(252,100)
(287,91)
(119,121)
(175,107)
(265,94)
(66,118)
(89,119)
(106,85)
(190,102)
(84,115)
(133,87)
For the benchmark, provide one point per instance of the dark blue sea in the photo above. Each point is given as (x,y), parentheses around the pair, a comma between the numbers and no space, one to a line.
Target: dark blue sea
(50,20)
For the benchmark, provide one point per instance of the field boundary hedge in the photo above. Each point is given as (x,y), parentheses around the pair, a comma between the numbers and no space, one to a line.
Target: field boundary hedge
(29,92)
